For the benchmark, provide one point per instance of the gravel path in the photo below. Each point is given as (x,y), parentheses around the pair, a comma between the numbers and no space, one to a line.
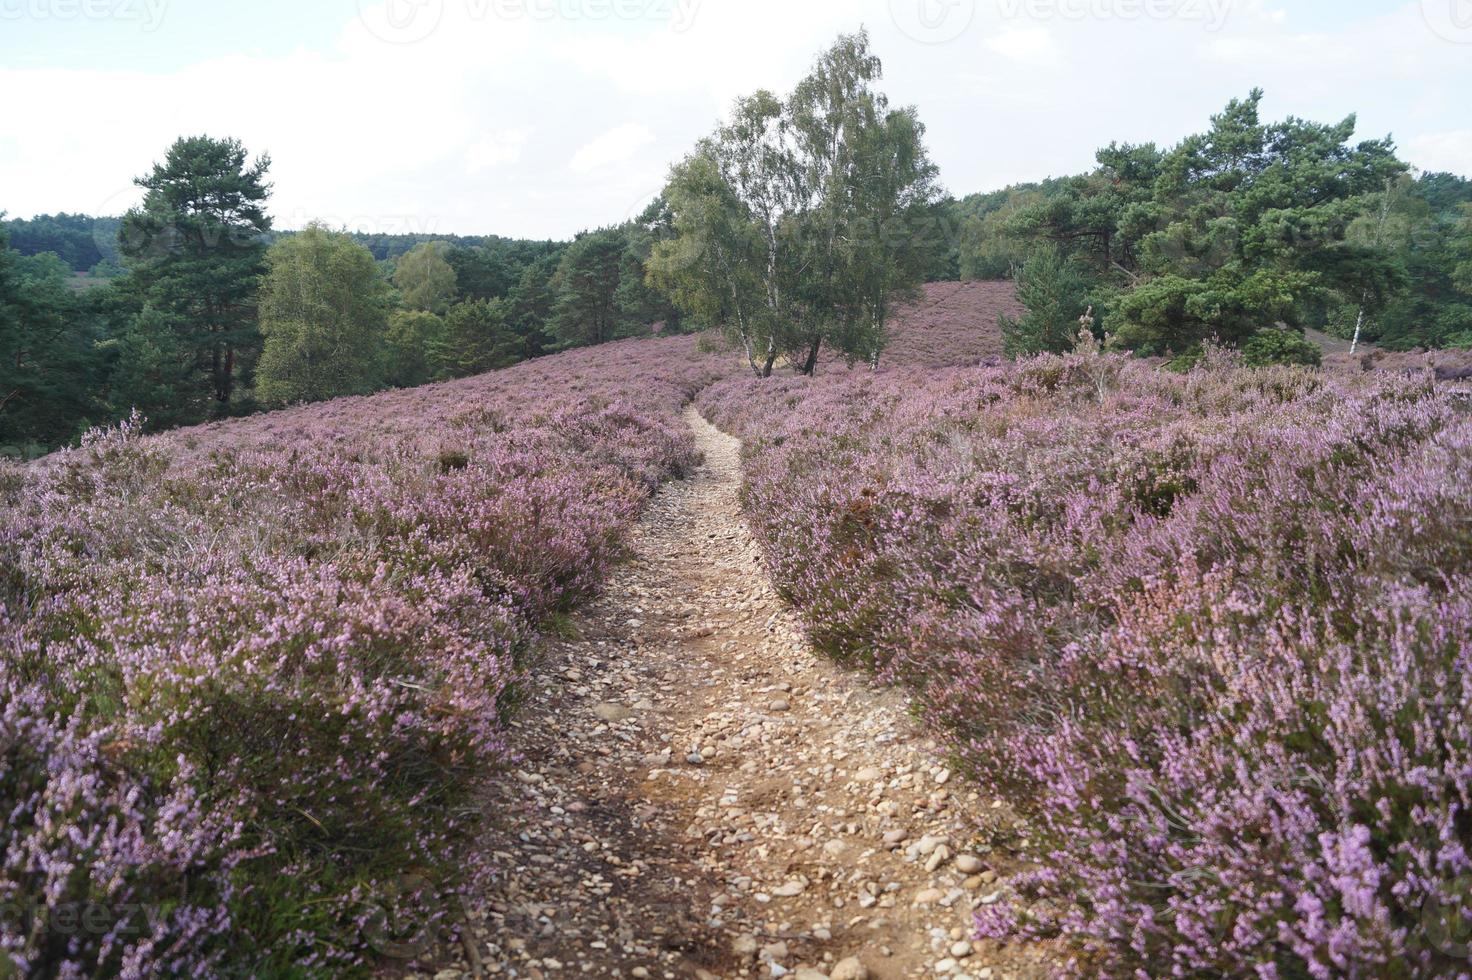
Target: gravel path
(703,796)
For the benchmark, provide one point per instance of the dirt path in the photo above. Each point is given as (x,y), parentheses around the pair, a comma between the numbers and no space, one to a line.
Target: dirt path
(701,795)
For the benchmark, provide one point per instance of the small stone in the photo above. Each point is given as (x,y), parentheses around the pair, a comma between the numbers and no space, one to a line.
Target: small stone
(612,713)
(929,896)
(960,949)
(946,966)
(639,973)
(779,704)
(992,898)
(789,890)
(869,774)
(744,946)
(448,975)
(928,844)
(968,864)
(774,951)
(808,973)
(850,968)
(695,759)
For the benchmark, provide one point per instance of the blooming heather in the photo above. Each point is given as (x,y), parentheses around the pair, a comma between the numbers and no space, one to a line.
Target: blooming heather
(1212,630)
(251,671)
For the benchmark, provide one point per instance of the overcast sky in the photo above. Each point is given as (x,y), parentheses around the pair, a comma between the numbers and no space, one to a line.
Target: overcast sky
(539,118)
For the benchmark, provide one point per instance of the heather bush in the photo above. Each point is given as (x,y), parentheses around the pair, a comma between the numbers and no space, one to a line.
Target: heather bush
(254,670)
(1209,629)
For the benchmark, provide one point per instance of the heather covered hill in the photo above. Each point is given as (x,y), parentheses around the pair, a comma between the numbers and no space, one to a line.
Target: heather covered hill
(950,323)
(1208,631)
(253,671)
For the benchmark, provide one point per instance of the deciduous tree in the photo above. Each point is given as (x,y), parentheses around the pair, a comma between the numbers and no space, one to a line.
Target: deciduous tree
(323,313)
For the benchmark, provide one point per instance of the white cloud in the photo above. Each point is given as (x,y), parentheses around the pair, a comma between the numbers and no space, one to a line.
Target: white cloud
(1442,151)
(527,125)
(494,150)
(1033,47)
(616,146)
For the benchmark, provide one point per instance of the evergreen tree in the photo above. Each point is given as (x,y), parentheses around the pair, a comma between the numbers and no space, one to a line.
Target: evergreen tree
(196,253)
(476,338)
(1055,294)
(49,363)
(1233,230)
(409,343)
(530,304)
(586,309)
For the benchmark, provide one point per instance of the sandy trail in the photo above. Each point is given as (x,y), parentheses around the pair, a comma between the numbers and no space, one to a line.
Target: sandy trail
(702,795)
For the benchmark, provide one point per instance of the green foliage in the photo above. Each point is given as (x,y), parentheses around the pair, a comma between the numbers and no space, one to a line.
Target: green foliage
(324,315)
(476,337)
(1055,292)
(1173,313)
(798,220)
(711,267)
(1422,228)
(586,309)
(1233,230)
(480,273)
(49,360)
(425,278)
(638,300)
(988,244)
(1280,347)
(530,304)
(79,240)
(196,254)
(410,339)
(155,373)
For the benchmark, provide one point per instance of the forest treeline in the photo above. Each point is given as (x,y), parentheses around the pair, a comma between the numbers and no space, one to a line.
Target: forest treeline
(193,307)
(1244,234)
(792,226)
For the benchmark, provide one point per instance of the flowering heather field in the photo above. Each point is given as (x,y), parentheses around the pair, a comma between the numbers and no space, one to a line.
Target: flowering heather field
(251,671)
(951,323)
(1212,628)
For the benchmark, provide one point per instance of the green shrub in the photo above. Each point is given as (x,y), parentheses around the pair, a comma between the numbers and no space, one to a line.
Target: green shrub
(1280,347)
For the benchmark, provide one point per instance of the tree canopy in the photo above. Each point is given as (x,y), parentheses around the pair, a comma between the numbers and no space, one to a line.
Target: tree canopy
(196,253)
(324,315)
(795,223)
